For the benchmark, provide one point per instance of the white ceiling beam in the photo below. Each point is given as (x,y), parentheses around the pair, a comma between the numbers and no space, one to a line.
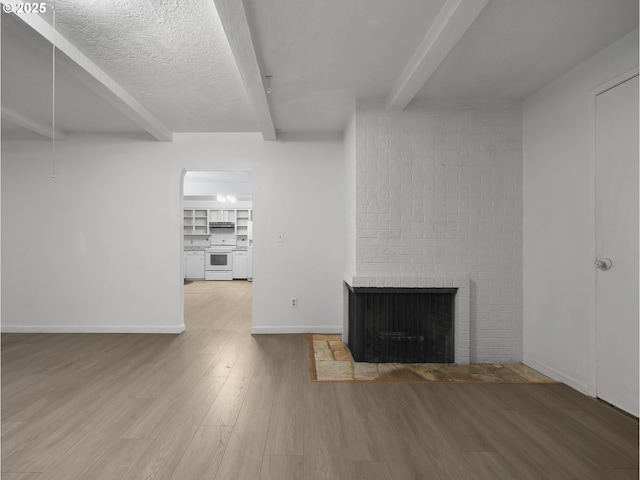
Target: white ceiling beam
(236,27)
(96,79)
(454,18)
(33,125)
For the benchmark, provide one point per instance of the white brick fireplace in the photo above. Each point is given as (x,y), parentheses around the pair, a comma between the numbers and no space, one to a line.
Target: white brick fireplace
(434,197)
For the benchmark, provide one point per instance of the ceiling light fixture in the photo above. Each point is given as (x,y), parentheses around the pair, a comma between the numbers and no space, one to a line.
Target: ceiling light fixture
(268,84)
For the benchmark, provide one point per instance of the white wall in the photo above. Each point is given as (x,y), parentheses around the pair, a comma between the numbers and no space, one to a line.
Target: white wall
(209,203)
(98,248)
(350,196)
(212,184)
(439,195)
(558,272)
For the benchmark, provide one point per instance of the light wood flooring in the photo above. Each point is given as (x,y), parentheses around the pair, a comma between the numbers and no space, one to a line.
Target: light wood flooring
(217,403)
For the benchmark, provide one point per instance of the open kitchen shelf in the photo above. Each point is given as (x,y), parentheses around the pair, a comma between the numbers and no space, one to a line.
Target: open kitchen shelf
(196,220)
(242,221)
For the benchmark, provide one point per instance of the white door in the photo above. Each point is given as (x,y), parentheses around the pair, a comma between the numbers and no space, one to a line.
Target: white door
(617,240)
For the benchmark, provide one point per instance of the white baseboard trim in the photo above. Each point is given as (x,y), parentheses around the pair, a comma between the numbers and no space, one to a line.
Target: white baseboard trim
(331,329)
(555,374)
(91,329)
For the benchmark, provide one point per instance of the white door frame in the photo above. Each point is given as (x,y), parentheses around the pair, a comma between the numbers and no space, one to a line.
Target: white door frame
(183,172)
(592,359)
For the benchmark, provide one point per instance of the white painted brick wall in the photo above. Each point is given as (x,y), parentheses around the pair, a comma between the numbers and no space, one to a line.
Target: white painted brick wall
(439,194)
(349,193)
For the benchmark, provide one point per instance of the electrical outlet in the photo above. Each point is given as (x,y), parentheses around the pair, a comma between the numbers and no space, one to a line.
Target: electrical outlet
(294,302)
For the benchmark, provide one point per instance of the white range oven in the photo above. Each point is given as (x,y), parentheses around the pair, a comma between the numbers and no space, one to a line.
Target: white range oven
(218,260)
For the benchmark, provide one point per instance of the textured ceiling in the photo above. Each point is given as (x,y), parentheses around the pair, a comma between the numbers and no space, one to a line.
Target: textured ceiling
(173,57)
(27,87)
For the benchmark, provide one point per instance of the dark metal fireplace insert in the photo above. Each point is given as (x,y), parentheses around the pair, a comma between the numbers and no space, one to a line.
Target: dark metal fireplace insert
(401,325)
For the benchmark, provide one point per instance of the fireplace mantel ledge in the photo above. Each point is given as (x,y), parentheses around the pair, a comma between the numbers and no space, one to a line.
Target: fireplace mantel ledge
(380,281)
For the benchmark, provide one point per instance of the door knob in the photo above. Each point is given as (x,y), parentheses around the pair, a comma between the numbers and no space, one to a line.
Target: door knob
(604,264)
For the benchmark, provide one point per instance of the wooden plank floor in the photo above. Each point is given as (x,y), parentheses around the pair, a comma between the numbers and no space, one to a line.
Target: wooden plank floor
(217,403)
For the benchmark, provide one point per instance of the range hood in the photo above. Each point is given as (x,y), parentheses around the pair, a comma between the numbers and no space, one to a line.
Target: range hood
(221,225)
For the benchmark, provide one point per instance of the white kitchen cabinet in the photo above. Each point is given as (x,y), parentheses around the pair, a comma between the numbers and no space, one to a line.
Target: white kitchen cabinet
(243,218)
(195,265)
(195,221)
(222,215)
(250,264)
(240,264)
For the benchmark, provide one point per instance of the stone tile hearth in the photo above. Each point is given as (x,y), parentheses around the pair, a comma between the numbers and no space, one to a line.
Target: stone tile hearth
(331,361)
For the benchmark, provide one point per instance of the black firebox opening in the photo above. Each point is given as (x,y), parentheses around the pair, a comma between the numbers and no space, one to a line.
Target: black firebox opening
(401,325)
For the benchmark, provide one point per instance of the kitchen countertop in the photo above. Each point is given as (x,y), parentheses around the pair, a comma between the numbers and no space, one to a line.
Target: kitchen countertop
(196,248)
